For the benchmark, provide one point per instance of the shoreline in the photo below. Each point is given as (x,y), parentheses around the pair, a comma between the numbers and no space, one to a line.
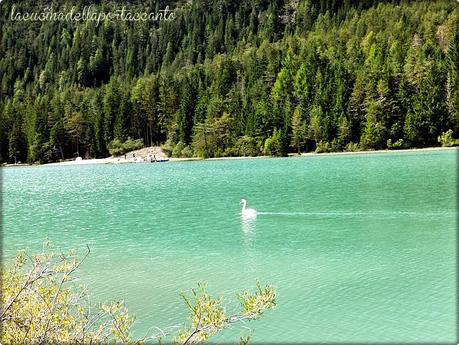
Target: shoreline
(426,149)
(119,160)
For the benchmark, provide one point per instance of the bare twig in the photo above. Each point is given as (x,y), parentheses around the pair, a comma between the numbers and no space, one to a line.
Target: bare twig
(64,278)
(23,287)
(28,329)
(228,321)
(115,324)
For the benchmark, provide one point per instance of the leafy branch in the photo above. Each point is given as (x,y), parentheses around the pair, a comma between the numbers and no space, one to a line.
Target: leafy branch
(41,304)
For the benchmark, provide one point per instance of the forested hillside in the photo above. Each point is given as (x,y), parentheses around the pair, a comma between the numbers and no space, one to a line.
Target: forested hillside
(227,78)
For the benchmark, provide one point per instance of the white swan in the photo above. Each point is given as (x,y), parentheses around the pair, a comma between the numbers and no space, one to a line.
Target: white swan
(247,213)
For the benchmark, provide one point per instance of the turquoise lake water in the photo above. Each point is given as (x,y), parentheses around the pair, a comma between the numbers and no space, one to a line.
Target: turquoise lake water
(360,248)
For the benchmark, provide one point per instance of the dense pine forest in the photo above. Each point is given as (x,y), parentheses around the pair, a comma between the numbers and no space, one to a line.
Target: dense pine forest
(225,78)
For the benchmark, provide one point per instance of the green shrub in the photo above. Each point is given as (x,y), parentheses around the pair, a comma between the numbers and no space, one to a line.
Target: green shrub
(118,148)
(352,147)
(218,153)
(115,147)
(399,144)
(269,147)
(182,150)
(323,147)
(177,151)
(274,145)
(247,146)
(168,147)
(447,140)
(187,152)
(373,136)
(132,145)
(336,145)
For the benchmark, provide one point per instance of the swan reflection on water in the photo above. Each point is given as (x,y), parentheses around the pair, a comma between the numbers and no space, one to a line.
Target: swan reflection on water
(248,231)
(248,225)
(248,216)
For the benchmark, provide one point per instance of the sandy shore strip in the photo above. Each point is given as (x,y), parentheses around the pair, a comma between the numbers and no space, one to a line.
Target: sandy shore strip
(117,160)
(425,149)
(141,156)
